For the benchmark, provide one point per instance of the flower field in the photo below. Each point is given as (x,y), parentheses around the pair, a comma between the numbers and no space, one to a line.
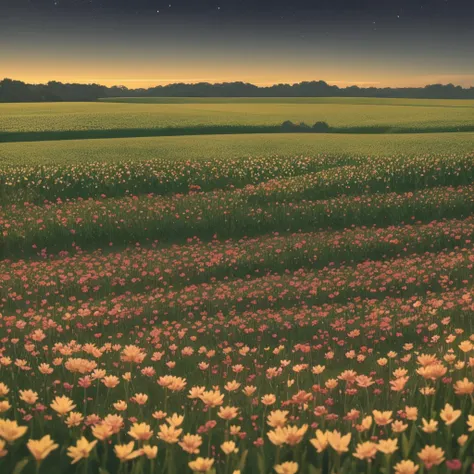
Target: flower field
(311,314)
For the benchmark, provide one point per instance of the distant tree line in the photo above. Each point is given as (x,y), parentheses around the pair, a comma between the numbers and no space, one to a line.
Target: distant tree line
(18,91)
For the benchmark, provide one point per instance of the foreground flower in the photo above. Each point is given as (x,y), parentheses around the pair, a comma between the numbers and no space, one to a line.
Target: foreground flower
(41,448)
(431,456)
(289,467)
(339,443)
(387,446)
(201,464)
(449,415)
(229,447)
(169,434)
(62,405)
(81,451)
(366,450)
(125,452)
(140,431)
(406,467)
(294,435)
(149,451)
(277,418)
(320,442)
(10,431)
(191,443)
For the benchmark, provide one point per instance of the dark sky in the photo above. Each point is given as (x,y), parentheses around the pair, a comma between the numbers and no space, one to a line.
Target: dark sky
(144,42)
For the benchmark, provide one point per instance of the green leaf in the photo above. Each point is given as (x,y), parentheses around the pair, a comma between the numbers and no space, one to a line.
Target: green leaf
(242,460)
(261,463)
(405,446)
(314,470)
(103,471)
(20,465)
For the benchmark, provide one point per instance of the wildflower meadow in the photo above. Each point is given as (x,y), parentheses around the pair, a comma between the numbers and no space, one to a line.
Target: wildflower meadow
(273,314)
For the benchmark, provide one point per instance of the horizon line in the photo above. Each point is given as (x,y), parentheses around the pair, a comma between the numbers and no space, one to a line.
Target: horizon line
(256,84)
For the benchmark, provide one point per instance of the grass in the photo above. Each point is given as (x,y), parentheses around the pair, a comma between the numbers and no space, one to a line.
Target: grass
(20,122)
(231,146)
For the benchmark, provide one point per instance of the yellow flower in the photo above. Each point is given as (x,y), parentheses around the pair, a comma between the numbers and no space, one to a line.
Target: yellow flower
(229,447)
(191,443)
(449,415)
(320,442)
(110,381)
(228,413)
(175,420)
(470,422)
(382,418)
(431,456)
(366,423)
(41,448)
(132,354)
(74,419)
(366,450)
(398,426)
(232,386)
(462,439)
(115,422)
(412,413)
(277,436)
(466,346)
(212,399)
(289,467)
(387,446)
(120,405)
(406,467)
(125,452)
(102,431)
(339,443)
(81,451)
(62,405)
(149,451)
(464,387)
(269,399)
(140,431)
(429,426)
(169,434)
(277,418)
(140,398)
(201,464)
(10,431)
(4,406)
(249,390)
(294,435)
(28,396)
(4,390)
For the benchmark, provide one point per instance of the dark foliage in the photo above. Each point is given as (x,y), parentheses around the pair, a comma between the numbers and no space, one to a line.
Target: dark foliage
(17,91)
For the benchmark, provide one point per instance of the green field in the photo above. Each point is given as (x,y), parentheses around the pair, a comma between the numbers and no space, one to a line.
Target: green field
(19,122)
(231,146)
(236,303)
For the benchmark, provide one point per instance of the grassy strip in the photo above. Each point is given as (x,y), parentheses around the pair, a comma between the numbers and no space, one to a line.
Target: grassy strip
(47,135)
(128,220)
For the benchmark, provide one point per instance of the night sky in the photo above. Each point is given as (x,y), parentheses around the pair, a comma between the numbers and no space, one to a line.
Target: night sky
(139,43)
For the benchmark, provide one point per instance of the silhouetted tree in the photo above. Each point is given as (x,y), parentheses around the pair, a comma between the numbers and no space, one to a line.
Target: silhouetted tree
(17,91)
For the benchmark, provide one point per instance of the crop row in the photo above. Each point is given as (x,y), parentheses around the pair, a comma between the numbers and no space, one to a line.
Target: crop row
(130,220)
(313,178)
